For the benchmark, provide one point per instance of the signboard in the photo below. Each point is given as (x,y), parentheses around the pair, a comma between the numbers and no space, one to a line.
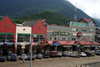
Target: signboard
(7,42)
(87,35)
(78,24)
(74,34)
(79,34)
(60,33)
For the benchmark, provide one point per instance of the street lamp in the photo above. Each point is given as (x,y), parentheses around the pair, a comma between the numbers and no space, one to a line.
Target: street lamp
(31,53)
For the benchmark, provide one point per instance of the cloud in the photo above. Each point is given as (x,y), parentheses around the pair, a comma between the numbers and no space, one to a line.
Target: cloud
(90,7)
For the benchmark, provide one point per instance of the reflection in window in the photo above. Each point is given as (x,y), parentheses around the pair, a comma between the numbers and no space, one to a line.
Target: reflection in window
(23,38)
(4,37)
(39,37)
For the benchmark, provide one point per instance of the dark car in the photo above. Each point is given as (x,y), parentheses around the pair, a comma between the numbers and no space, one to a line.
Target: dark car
(53,53)
(88,54)
(46,54)
(14,57)
(3,58)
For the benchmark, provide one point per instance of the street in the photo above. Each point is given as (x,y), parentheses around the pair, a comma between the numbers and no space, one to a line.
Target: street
(52,62)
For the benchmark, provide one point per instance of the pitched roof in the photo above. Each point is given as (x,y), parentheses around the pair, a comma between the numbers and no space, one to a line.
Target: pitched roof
(87,20)
(30,23)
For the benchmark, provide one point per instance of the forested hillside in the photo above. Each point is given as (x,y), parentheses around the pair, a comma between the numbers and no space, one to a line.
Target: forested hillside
(15,8)
(52,17)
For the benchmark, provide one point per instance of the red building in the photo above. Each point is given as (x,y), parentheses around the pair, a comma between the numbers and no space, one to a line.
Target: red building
(7,34)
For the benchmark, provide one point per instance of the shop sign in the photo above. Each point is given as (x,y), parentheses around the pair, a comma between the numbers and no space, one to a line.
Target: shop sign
(7,42)
(74,34)
(60,33)
(64,33)
(78,24)
(79,34)
(55,33)
(87,35)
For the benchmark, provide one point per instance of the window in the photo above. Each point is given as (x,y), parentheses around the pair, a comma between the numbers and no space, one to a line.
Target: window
(52,38)
(91,30)
(38,37)
(73,38)
(6,36)
(63,38)
(23,38)
(84,30)
(83,39)
(91,23)
(74,29)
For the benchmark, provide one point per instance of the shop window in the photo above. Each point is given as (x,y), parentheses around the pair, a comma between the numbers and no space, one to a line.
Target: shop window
(83,39)
(73,38)
(23,38)
(39,37)
(7,36)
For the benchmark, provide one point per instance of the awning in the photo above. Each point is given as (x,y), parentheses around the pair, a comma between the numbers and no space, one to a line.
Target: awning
(67,42)
(88,43)
(50,42)
(63,42)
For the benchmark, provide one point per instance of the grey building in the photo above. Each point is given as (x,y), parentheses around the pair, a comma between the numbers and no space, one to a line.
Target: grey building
(81,33)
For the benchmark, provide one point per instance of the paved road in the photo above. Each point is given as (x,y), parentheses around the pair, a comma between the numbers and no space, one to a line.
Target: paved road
(52,62)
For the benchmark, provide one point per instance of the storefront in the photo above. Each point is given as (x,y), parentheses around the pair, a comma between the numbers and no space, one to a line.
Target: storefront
(7,47)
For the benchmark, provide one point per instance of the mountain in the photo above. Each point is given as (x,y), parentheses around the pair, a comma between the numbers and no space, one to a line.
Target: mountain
(97,22)
(15,8)
(52,17)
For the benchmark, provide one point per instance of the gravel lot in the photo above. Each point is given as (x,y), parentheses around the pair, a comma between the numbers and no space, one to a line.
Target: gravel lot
(52,62)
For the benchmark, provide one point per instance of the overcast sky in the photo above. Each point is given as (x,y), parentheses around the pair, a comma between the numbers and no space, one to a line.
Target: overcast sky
(90,7)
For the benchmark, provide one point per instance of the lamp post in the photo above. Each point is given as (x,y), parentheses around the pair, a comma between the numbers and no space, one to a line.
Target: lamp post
(31,53)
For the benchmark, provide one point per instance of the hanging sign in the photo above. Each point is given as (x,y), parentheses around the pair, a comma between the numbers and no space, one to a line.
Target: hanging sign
(79,34)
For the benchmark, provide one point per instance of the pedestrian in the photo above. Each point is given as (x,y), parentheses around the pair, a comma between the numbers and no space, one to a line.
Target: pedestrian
(23,59)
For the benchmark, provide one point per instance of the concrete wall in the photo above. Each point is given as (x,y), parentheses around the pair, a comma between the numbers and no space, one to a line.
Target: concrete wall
(23,30)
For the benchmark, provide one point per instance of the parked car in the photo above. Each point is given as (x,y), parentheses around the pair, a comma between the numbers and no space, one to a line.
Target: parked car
(59,54)
(33,56)
(65,53)
(25,56)
(46,54)
(14,57)
(39,55)
(74,55)
(82,54)
(97,52)
(88,54)
(93,54)
(53,53)
(3,58)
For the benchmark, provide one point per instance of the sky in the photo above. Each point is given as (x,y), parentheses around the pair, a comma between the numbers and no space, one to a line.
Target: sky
(90,7)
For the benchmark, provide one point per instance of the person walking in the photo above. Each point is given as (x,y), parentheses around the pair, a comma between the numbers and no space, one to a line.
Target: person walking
(23,59)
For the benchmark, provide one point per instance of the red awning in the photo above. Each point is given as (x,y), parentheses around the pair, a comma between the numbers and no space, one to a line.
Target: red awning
(63,42)
(89,43)
(67,42)
(50,42)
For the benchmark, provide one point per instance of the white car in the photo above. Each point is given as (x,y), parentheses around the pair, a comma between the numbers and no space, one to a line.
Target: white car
(24,55)
(59,54)
(83,54)
(39,55)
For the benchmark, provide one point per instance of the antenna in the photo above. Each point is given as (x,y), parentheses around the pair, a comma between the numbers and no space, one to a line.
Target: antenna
(75,17)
